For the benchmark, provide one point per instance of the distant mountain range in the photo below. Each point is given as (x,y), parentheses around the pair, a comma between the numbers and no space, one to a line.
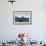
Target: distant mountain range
(21,19)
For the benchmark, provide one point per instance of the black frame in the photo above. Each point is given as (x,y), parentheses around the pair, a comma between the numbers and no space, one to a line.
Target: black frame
(20,23)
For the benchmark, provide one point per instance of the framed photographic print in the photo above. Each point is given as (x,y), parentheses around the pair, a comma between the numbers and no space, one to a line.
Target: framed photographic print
(22,17)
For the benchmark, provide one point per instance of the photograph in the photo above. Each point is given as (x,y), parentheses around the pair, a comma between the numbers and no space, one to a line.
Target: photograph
(22,17)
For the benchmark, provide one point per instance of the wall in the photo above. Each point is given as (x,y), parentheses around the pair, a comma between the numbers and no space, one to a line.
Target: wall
(9,31)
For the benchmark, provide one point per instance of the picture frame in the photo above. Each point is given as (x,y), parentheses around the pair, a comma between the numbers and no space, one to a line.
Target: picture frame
(22,17)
